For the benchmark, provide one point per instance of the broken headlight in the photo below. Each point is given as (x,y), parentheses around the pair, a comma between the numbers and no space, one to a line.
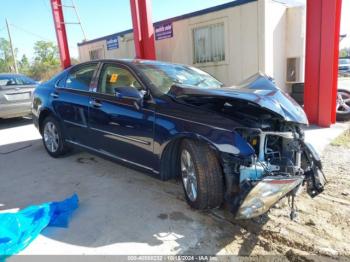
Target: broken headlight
(265,194)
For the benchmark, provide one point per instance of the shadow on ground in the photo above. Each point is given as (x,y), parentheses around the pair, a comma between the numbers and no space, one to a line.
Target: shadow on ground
(121,210)
(14,122)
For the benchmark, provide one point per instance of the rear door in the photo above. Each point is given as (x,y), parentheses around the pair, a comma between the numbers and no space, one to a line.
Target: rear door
(71,99)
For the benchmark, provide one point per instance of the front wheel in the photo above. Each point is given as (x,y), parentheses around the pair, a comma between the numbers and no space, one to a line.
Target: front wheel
(201,175)
(53,139)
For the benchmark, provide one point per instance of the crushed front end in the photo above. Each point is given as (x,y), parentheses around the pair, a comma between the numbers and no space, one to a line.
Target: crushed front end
(268,122)
(282,163)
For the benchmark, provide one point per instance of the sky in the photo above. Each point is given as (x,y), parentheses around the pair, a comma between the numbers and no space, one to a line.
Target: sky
(31,20)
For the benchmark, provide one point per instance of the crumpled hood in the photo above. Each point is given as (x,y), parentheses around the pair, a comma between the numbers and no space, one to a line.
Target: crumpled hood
(257,89)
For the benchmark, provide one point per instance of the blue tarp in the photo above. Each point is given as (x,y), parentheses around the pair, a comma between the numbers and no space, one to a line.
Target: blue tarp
(18,230)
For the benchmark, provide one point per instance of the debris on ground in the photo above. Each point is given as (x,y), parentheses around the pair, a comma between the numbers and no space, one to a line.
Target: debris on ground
(19,229)
(321,228)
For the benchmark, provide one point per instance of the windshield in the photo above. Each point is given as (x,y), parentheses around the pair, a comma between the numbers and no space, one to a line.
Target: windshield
(163,76)
(14,80)
(344,61)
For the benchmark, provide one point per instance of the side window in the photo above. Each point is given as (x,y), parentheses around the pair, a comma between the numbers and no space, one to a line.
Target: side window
(80,79)
(113,77)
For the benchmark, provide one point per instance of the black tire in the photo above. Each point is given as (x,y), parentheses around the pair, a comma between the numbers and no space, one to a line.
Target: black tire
(298,88)
(343,116)
(299,98)
(62,147)
(210,184)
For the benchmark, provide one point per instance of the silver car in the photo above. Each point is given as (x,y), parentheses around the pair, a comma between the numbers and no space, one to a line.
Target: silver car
(15,95)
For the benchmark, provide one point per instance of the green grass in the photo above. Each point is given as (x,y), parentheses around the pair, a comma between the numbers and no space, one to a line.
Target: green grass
(342,140)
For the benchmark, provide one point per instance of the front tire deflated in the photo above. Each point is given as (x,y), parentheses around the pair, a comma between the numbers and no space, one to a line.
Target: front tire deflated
(201,175)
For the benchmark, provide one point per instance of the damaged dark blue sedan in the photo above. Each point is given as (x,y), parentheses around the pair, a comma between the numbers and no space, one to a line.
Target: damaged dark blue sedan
(241,145)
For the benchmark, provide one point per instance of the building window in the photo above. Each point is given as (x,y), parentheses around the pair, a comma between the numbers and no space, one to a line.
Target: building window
(293,69)
(96,54)
(209,44)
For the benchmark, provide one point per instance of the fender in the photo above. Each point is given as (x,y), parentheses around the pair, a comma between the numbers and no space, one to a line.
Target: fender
(221,140)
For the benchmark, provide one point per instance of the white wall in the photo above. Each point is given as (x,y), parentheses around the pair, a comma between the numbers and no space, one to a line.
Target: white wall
(296,20)
(241,44)
(275,41)
(259,36)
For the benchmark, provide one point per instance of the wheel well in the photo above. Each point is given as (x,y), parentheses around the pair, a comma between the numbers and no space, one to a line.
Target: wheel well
(42,116)
(169,167)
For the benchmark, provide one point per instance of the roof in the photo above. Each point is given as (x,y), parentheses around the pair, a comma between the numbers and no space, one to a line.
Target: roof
(174,19)
(10,74)
(131,61)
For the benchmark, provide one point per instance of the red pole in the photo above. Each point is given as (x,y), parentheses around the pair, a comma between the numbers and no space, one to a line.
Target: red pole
(61,34)
(143,29)
(321,65)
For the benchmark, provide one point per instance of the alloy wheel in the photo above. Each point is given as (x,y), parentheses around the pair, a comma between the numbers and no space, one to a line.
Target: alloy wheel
(343,102)
(51,137)
(189,177)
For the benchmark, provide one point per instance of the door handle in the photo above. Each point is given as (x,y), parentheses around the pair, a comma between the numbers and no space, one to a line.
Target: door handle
(54,95)
(94,103)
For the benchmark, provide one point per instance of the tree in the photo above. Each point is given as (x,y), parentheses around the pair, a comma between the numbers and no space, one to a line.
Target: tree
(46,62)
(6,59)
(24,65)
(344,52)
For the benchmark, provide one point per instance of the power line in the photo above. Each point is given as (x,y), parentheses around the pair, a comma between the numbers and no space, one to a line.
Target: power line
(31,33)
(47,6)
(34,34)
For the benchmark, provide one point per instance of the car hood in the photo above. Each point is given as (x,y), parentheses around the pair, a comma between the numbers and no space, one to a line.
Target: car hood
(258,90)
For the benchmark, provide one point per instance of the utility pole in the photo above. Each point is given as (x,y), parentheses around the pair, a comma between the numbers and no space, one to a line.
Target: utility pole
(12,50)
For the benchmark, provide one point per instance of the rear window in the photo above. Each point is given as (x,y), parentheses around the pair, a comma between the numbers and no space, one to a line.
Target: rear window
(16,80)
(81,77)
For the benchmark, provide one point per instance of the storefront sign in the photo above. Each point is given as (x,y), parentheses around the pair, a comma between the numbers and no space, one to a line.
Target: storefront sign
(164,31)
(112,43)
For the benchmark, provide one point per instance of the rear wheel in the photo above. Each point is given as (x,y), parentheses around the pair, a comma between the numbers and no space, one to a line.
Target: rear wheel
(201,175)
(53,137)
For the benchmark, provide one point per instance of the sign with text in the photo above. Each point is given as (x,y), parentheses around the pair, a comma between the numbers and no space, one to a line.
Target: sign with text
(112,43)
(164,31)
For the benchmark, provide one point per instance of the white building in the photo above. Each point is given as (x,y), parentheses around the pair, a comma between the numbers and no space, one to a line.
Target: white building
(231,41)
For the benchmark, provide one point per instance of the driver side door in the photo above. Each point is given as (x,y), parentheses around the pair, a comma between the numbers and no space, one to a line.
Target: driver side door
(121,127)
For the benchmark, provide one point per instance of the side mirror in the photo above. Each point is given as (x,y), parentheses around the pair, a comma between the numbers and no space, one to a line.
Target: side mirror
(131,93)
(128,92)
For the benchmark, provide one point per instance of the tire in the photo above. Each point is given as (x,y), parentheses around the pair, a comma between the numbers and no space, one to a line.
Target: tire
(298,88)
(299,98)
(50,127)
(207,170)
(342,113)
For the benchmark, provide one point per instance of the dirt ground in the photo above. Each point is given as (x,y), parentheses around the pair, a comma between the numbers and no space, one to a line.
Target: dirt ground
(323,224)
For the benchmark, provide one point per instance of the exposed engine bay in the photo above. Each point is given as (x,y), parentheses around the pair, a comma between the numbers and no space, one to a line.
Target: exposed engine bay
(282,162)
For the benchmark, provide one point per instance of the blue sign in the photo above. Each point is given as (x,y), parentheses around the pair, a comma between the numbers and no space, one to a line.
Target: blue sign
(112,43)
(164,31)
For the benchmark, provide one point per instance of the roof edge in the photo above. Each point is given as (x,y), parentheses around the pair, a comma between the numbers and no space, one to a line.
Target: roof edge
(174,19)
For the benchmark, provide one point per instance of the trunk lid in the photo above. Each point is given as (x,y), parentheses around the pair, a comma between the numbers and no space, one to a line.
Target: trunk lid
(16,93)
